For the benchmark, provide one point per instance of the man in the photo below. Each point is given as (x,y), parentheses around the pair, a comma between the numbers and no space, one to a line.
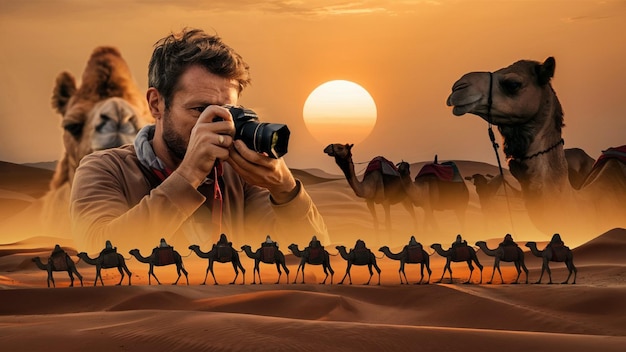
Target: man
(165,183)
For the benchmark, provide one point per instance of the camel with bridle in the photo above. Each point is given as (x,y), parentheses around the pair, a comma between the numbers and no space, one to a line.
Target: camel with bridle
(359,257)
(220,253)
(410,255)
(106,260)
(267,255)
(156,259)
(380,185)
(307,257)
(60,261)
(505,253)
(521,102)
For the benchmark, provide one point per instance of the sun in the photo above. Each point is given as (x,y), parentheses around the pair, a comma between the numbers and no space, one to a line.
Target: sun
(339,112)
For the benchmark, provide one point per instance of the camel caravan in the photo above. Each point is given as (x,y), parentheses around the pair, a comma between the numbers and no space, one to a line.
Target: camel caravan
(561,188)
(315,254)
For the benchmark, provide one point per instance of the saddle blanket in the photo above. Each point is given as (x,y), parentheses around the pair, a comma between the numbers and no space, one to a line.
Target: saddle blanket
(59,261)
(165,255)
(415,254)
(380,163)
(268,254)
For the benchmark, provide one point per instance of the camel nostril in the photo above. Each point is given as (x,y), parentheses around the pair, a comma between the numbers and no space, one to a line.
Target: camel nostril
(459,85)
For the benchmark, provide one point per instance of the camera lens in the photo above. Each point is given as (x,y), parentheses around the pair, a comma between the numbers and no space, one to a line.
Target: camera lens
(262,137)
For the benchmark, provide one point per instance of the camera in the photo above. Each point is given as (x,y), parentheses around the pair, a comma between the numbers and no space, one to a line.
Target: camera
(262,137)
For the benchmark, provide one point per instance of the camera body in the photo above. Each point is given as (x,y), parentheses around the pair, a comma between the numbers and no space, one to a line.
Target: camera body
(262,137)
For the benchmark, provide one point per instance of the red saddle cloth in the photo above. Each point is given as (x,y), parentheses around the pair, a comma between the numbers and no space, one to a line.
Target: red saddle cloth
(59,261)
(165,255)
(618,153)
(414,254)
(462,253)
(380,163)
(316,255)
(442,172)
(268,254)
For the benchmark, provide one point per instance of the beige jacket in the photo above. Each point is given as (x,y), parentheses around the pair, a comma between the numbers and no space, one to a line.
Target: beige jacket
(111,199)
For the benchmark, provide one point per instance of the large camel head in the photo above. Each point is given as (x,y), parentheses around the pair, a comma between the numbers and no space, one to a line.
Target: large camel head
(106,111)
(519,99)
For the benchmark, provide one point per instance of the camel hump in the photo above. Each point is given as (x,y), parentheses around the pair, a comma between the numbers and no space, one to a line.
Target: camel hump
(380,163)
(446,171)
(165,255)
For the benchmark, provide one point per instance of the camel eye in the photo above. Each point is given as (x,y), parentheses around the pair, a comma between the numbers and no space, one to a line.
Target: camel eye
(511,87)
(75,129)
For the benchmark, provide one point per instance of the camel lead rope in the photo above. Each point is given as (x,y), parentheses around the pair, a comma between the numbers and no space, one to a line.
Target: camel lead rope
(495,145)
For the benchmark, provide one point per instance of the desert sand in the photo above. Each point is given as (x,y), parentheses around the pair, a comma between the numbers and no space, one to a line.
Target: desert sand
(447,316)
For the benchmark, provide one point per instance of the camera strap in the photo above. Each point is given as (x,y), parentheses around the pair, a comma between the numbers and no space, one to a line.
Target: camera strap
(218,200)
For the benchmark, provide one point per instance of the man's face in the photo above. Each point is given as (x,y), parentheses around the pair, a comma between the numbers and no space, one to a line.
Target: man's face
(197,88)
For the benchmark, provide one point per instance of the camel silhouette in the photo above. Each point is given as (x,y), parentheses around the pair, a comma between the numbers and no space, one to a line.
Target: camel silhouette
(155,260)
(59,261)
(306,257)
(468,256)
(414,255)
(219,254)
(505,254)
(547,255)
(277,257)
(358,256)
(107,261)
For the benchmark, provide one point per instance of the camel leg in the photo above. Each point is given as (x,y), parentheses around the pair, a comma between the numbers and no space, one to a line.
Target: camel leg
(212,273)
(549,271)
(346,274)
(69,272)
(243,272)
(151,273)
(387,208)
(256,271)
(471,267)
(377,270)
(182,268)
(78,275)
(446,267)
(302,265)
(119,268)
(369,267)
(372,209)
(519,272)
(496,262)
(421,273)
(525,270)
(50,279)
(571,268)
(236,272)
(332,272)
(98,275)
(177,272)
(480,267)
(206,274)
(127,273)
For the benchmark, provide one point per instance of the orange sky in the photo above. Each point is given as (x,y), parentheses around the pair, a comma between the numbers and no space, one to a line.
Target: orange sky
(407,54)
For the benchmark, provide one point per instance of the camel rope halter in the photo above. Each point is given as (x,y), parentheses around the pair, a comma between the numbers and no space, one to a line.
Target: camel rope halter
(495,145)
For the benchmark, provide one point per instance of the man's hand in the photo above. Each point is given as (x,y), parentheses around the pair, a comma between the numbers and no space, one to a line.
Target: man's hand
(208,141)
(263,171)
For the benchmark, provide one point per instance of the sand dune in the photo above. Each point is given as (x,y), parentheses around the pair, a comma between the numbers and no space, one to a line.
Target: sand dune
(588,316)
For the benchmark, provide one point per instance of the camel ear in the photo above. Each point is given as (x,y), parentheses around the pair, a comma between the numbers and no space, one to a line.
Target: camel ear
(350,146)
(545,71)
(64,89)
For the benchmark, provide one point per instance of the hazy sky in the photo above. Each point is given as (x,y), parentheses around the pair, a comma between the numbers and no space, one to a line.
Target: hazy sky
(407,54)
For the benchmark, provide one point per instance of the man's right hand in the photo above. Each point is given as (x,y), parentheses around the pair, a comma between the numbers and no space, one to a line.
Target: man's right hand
(208,142)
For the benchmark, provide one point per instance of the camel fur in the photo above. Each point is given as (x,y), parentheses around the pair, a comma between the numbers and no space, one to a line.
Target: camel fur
(530,118)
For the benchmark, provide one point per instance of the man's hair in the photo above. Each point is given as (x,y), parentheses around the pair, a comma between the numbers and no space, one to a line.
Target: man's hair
(173,54)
